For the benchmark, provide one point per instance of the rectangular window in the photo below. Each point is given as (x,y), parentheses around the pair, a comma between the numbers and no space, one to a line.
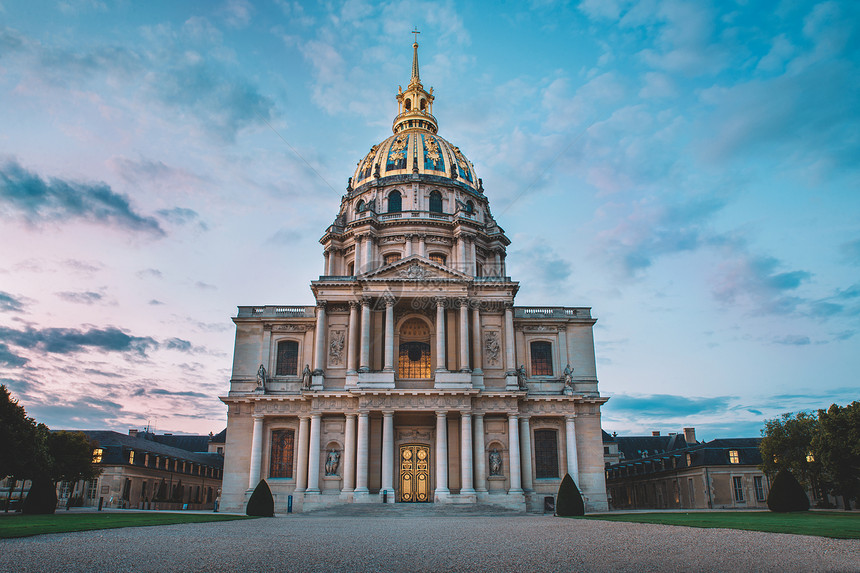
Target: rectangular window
(391,258)
(92,488)
(281,460)
(288,358)
(738,488)
(131,457)
(546,453)
(541,358)
(437,258)
(734,458)
(97,455)
(759,488)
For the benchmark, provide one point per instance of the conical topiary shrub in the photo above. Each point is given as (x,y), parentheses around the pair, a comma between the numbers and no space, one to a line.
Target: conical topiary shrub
(569,500)
(261,503)
(41,499)
(786,494)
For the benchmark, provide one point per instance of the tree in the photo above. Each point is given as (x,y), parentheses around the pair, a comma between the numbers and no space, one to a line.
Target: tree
(72,456)
(261,503)
(788,444)
(837,447)
(786,494)
(17,437)
(568,501)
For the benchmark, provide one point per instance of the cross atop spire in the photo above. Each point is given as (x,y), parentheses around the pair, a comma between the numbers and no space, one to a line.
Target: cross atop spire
(415,105)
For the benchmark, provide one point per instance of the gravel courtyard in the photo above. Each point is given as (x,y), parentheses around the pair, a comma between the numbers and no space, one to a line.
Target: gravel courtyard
(426,541)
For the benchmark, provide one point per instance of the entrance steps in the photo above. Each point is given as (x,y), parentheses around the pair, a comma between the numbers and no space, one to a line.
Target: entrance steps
(411,510)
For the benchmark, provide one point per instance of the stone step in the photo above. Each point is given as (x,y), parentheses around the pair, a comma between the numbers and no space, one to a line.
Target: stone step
(410,510)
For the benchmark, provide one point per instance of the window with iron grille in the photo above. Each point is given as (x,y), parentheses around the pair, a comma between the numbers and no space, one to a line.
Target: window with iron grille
(546,453)
(281,461)
(395,202)
(414,360)
(437,258)
(288,358)
(738,488)
(541,358)
(392,258)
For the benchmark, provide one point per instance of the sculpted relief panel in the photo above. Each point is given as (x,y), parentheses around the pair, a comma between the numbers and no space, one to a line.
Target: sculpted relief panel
(492,347)
(335,346)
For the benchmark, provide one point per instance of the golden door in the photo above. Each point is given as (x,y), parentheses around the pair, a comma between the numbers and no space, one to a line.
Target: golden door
(414,473)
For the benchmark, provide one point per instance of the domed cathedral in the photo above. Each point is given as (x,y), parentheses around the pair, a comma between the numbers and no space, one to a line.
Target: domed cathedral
(414,378)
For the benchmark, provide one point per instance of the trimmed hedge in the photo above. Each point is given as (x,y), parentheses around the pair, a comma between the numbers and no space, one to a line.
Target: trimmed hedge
(41,499)
(569,500)
(786,494)
(261,503)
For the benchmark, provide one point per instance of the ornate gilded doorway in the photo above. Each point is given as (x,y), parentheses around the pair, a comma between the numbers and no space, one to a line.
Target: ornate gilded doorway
(414,473)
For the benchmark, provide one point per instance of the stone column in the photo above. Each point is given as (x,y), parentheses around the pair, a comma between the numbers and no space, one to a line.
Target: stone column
(570,439)
(464,335)
(510,362)
(362,452)
(477,350)
(370,253)
(497,271)
(352,343)
(314,457)
(466,486)
(442,453)
(408,251)
(364,362)
(473,257)
(462,263)
(357,259)
(302,475)
(526,453)
(514,453)
(504,265)
(388,455)
(319,348)
(422,245)
(441,365)
(389,335)
(480,455)
(256,451)
(349,455)
(327,262)
(562,347)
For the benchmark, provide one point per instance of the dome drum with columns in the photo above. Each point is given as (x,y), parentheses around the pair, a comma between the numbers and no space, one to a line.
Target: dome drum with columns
(414,378)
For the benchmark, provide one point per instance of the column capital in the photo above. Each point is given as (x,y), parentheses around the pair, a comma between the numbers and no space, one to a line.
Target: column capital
(350,415)
(525,417)
(441,301)
(258,417)
(366,300)
(354,304)
(513,416)
(441,413)
(408,236)
(463,302)
(321,303)
(390,300)
(316,415)
(478,414)
(363,413)
(509,306)
(466,414)
(570,417)
(387,413)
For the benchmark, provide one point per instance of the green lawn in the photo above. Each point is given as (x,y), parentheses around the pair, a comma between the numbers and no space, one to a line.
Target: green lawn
(16,525)
(837,524)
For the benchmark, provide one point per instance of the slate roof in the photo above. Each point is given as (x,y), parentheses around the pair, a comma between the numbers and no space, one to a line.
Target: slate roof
(637,447)
(713,453)
(115,446)
(188,443)
(220,437)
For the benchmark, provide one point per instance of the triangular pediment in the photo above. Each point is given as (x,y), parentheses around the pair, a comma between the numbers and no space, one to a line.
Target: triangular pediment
(415,268)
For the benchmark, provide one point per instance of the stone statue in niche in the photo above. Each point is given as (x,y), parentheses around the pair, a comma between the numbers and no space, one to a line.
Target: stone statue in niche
(492,347)
(306,377)
(568,380)
(495,462)
(332,461)
(521,377)
(261,378)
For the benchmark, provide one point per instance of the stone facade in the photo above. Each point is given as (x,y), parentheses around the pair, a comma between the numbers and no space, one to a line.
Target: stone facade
(414,377)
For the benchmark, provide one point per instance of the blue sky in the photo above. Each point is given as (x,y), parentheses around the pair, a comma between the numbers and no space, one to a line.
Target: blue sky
(688,169)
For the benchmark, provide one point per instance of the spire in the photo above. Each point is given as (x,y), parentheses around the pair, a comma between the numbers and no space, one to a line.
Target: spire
(415,105)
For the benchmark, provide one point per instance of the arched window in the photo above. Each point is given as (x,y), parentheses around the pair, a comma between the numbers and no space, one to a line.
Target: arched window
(360,207)
(470,207)
(414,359)
(435,202)
(395,202)
(423,104)
(407,105)
(350,270)
(546,454)
(438,258)
(288,358)
(281,460)
(541,358)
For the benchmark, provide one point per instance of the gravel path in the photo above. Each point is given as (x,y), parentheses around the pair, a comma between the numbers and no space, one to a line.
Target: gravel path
(426,541)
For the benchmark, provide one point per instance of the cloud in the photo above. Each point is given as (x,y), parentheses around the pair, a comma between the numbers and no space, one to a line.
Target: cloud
(205,286)
(59,200)
(149,273)
(792,340)
(237,13)
(182,216)
(851,252)
(86,297)
(70,340)
(757,280)
(9,303)
(9,358)
(666,405)
(285,237)
(537,260)
(155,302)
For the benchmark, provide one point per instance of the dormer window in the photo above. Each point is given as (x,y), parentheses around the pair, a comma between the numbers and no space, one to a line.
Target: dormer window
(360,207)
(470,207)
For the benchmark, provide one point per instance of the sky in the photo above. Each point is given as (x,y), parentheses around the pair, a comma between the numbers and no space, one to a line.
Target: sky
(689,170)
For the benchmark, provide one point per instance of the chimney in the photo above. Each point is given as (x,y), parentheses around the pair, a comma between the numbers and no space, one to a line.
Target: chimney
(655,433)
(690,435)
(132,432)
